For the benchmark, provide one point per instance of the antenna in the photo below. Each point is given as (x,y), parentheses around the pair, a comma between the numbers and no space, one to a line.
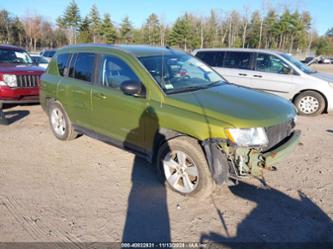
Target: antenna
(162,79)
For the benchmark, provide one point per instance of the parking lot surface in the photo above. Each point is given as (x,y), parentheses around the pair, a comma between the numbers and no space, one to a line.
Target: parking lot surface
(85,190)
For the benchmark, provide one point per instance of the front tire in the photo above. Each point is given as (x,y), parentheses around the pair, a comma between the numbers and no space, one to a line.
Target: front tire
(310,103)
(183,166)
(60,124)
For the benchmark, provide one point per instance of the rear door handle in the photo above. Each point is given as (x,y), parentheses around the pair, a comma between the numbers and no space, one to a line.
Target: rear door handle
(242,74)
(100,95)
(257,76)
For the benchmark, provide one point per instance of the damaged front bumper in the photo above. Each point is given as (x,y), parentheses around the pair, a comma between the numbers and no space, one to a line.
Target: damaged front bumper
(276,155)
(226,161)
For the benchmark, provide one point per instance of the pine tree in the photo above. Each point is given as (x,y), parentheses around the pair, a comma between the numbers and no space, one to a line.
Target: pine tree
(95,24)
(71,20)
(272,29)
(181,35)
(254,30)
(108,30)
(126,31)
(17,32)
(85,34)
(151,30)
(329,32)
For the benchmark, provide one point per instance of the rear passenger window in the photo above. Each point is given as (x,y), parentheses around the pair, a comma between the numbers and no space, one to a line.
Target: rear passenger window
(212,58)
(62,61)
(115,71)
(240,60)
(84,66)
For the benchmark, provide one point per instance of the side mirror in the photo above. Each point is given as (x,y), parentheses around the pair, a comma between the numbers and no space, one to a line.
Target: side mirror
(133,88)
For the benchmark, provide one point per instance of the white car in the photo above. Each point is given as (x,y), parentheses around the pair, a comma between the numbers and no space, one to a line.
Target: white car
(275,72)
(48,54)
(40,61)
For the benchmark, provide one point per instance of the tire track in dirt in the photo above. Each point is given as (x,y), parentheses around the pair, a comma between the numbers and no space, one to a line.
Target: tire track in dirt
(36,228)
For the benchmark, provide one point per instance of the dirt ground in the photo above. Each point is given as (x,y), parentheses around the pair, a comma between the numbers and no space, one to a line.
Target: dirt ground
(85,190)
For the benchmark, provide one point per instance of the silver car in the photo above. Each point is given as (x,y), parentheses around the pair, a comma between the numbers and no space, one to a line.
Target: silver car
(275,72)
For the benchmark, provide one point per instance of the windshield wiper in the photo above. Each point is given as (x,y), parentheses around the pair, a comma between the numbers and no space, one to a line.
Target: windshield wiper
(195,88)
(186,89)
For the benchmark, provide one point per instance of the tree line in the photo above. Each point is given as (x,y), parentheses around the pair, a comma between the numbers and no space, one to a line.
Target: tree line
(285,30)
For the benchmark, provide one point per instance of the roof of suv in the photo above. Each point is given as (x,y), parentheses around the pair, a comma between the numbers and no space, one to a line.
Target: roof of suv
(136,50)
(240,50)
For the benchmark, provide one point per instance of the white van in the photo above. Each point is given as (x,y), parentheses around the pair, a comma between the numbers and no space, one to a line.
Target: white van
(274,72)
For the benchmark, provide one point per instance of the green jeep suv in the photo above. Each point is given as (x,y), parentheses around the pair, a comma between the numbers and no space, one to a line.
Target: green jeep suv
(170,108)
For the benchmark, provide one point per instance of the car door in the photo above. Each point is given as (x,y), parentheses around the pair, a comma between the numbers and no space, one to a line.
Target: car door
(116,115)
(236,67)
(274,75)
(75,88)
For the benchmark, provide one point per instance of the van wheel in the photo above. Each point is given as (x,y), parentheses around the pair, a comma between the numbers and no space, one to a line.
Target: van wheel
(60,123)
(310,103)
(183,166)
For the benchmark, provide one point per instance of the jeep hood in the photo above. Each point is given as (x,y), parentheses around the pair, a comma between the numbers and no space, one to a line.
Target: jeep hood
(15,68)
(239,106)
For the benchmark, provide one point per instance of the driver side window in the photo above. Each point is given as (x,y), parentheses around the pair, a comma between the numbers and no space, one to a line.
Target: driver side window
(271,64)
(115,71)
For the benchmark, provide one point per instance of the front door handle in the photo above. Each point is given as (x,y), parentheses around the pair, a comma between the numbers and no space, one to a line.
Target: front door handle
(257,76)
(99,95)
(242,74)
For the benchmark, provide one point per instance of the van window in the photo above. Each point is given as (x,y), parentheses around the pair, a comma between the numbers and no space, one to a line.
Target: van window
(62,62)
(271,64)
(115,71)
(84,66)
(212,58)
(240,60)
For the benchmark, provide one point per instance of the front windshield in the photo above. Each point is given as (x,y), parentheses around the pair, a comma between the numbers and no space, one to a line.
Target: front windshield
(180,72)
(14,56)
(298,64)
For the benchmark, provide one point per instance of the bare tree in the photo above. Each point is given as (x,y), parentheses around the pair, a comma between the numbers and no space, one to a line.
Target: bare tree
(245,23)
(32,25)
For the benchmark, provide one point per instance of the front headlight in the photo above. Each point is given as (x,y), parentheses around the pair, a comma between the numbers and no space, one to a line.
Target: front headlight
(10,80)
(247,137)
(330,84)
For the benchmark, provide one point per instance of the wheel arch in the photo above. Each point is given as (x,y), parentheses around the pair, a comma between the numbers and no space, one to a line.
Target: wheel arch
(49,100)
(313,90)
(163,135)
(216,160)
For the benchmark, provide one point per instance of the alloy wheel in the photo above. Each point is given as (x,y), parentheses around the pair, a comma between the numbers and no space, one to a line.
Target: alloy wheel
(58,122)
(180,171)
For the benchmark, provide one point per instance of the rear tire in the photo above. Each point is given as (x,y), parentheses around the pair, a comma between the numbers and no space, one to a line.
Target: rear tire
(60,124)
(183,166)
(310,103)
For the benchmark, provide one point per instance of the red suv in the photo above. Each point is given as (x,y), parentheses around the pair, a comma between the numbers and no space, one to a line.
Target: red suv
(19,78)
